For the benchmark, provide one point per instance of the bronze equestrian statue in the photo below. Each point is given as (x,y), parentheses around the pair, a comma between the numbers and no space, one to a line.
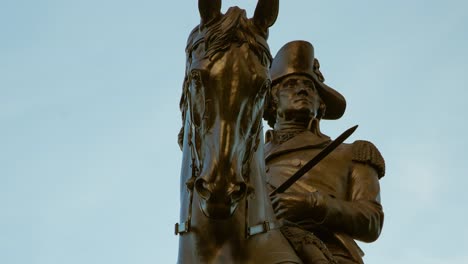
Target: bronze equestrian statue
(339,199)
(226,213)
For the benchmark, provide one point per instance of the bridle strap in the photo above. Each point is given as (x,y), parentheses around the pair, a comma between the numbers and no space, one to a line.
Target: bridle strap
(185,226)
(263,227)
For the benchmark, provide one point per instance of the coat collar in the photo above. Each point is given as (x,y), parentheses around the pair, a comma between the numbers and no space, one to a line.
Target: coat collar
(304,140)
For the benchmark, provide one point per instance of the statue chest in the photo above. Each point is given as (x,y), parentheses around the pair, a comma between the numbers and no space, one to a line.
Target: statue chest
(330,176)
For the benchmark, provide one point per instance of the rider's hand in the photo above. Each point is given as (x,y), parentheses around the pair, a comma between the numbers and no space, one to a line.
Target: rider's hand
(297,206)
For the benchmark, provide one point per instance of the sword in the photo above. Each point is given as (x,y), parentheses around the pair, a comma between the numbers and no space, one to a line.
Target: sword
(314,161)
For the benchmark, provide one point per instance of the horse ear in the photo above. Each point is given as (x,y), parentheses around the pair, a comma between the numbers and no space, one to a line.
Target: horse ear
(209,10)
(266,13)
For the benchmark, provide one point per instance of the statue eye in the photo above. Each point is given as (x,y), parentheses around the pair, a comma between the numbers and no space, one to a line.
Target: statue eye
(195,77)
(310,85)
(289,84)
(197,97)
(266,87)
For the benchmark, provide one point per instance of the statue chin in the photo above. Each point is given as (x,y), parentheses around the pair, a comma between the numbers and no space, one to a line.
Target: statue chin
(218,211)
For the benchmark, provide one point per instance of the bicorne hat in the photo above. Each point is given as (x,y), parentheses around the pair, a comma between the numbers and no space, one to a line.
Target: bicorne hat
(297,57)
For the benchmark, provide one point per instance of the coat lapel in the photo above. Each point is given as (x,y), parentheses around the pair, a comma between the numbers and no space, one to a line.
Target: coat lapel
(303,140)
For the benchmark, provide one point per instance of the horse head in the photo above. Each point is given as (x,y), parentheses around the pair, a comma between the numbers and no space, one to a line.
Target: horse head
(226,80)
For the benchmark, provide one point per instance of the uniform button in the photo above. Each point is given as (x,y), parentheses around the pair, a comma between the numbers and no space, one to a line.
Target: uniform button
(298,163)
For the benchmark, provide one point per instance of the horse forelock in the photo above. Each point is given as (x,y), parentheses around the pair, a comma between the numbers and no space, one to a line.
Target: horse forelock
(231,28)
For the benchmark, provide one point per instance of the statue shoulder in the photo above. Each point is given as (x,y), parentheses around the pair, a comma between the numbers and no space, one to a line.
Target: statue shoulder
(366,152)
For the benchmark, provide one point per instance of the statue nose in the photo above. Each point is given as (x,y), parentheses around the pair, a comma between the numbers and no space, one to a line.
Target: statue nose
(302,91)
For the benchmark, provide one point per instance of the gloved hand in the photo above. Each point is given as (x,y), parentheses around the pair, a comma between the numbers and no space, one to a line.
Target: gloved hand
(298,206)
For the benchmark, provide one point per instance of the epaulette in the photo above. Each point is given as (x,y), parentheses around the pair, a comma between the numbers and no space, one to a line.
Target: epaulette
(366,152)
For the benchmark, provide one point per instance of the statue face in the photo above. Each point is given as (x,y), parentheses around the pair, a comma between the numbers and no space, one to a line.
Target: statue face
(297,98)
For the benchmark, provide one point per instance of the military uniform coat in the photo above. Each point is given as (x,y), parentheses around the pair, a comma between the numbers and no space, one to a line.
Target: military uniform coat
(347,180)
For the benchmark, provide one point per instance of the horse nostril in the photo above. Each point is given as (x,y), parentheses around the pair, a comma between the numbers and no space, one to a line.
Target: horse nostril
(202,188)
(238,191)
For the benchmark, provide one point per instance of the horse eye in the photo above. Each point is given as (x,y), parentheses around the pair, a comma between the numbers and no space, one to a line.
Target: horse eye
(289,84)
(195,75)
(266,87)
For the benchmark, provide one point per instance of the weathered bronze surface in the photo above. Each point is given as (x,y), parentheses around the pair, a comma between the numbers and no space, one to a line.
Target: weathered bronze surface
(226,213)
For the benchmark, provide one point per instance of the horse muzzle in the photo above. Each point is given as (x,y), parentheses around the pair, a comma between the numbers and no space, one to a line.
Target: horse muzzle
(219,200)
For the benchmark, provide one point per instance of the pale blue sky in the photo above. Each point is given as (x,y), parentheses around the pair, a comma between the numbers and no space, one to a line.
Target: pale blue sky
(89,92)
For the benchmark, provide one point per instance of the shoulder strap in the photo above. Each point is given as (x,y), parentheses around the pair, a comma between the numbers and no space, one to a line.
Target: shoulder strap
(366,152)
